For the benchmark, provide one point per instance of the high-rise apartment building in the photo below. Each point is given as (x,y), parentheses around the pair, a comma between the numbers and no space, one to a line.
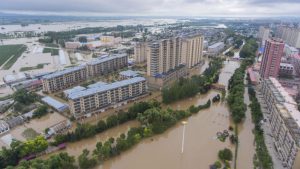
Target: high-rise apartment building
(290,35)
(284,120)
(167,54)
(100,97)
(271,58)
(263,34)
(140,53)
(192,50)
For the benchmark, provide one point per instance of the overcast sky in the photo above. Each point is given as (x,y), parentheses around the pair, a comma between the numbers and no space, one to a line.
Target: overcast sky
(155,7)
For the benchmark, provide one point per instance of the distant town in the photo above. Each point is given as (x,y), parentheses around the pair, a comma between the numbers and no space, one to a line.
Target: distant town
(211,93)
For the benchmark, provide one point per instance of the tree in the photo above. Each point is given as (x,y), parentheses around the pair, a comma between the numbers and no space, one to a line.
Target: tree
(85,162)
(40,111)
(225,154)
(24,97)
(82,39)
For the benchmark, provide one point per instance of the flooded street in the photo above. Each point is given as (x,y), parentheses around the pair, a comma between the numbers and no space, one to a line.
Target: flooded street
(246,139)
(164,151)
(201,146)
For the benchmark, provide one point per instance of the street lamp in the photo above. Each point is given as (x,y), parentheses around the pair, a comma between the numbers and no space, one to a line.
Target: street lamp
(183,134)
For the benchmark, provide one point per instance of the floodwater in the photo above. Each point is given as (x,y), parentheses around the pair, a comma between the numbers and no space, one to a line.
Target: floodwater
(201,146)
(39,125)
(246,148)
(164,151)
(66,26)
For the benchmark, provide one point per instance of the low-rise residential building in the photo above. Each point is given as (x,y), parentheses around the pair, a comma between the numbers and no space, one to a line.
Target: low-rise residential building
(14,78)
(59,128)
(102,66)
(286,69)
(72,45)
(166,79)
(4,127)
(63,79)
(31,85)
(215,49)
(57,105)
(97,99)
(15,121)
(284,119)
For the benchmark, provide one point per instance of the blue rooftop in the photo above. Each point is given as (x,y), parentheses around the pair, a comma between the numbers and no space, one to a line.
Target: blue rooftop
(98,84)
(104,88)
(129,73)
(54,103)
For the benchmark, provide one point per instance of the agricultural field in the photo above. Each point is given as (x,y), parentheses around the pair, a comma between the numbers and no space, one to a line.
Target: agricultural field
(38,66)
(9,54)
(51,50)
(52,45)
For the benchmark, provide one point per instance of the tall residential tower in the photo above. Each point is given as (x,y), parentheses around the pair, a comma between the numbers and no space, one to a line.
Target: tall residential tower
(271,58)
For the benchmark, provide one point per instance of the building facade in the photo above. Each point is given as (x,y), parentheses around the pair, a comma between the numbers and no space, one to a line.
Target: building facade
(140,52)
(86,102)
(271,58)
(263,34)
(107,65)
(192,50)
(215,49)
(290,35)
(286,70)
(167,54)
(284,120)
(63,79)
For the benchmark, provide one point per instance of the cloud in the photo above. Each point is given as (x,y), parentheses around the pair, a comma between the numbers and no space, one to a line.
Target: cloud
(157,7)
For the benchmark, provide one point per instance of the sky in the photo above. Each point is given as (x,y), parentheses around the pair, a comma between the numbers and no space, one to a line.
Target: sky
(238,8)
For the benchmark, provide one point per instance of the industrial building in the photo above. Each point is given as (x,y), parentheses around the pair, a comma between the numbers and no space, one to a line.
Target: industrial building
(91,100)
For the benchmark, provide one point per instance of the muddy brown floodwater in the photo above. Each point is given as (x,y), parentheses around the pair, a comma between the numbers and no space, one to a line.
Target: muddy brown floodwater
(164,151)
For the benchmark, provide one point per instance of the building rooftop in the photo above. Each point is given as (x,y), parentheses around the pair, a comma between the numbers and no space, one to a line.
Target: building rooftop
(104,88)
(74,89)
(105,59)
(54,103)
(98,84)
(129,73)
(216,45)
(62,72)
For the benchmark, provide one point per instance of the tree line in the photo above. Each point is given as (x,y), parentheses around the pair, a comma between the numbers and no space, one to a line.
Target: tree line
(188,87)
(262,157)
(88,130)
(236,88)
(154,120)
(18,150)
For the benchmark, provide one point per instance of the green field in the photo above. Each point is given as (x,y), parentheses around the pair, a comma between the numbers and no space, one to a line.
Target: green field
(11,52)
(51,50)
(52,45)
(38,66)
